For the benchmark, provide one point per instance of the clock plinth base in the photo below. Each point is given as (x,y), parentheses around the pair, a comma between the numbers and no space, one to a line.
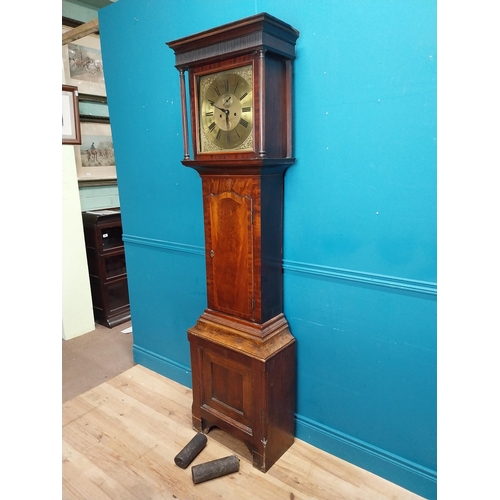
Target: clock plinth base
(244,382)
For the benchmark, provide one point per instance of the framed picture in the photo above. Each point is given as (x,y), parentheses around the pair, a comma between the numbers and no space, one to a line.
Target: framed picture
(82,62)
(70,115)
(93,107)
(95,158)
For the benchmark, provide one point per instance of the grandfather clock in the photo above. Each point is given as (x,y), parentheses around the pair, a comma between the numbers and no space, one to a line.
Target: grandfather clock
(242,350)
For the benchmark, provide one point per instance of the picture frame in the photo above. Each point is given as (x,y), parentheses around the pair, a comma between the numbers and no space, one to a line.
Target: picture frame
(82,63)
(82,67)
(93,107)
(94,158)
(71,133)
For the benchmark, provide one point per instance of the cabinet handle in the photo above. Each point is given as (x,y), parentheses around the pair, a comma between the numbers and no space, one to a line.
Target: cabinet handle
(212,254)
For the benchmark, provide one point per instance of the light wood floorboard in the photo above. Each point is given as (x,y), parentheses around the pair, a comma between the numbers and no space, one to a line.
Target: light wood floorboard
(120,439)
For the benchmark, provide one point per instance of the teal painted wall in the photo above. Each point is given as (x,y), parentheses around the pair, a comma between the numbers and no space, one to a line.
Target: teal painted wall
(78,11)
(83,10)
(96,197)
(359,220)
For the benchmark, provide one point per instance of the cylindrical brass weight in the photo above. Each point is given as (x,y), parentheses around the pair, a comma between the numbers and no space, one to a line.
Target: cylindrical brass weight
(215,468)
(189,452)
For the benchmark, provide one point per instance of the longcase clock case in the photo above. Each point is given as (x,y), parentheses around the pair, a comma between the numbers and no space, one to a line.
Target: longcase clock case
(242,350)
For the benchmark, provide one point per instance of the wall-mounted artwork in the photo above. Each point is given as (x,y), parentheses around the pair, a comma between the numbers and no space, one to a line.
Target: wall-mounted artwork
(82,63)
(95,158)
(70,115)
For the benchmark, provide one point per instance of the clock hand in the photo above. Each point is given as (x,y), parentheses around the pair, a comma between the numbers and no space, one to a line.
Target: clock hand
(224,110)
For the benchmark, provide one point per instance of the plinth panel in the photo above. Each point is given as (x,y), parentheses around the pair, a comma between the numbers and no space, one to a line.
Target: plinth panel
(245,386)
(226,391)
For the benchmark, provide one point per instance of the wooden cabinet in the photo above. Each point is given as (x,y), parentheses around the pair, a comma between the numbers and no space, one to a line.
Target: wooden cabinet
(107,268)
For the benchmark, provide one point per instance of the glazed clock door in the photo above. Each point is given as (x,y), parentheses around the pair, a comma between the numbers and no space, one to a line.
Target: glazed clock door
(229,246)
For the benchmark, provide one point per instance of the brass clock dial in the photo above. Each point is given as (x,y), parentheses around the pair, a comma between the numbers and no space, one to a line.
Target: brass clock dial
(226,110)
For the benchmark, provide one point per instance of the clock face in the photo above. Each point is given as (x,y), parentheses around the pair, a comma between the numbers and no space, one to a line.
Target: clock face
(226,111)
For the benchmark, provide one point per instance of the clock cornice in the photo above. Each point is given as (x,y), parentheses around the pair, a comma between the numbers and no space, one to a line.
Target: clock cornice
(259,32)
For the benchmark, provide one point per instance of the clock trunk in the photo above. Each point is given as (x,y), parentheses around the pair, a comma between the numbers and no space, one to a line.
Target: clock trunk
(243,241)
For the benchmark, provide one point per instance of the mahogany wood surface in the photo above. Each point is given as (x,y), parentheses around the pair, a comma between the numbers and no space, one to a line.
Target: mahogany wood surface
(244,35)
(245,386)
(229,242)
(243,243)
(242,351)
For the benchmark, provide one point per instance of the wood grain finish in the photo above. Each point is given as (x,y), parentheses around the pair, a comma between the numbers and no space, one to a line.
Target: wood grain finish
(229,243)
(119,441)
(242,351)
(245,385)
(243,243)
(261,31)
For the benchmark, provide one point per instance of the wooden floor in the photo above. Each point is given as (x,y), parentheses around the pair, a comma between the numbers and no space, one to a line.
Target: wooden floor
(120,440)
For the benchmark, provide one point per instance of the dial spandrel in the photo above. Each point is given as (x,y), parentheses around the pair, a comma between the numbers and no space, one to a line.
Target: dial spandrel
(226,110)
